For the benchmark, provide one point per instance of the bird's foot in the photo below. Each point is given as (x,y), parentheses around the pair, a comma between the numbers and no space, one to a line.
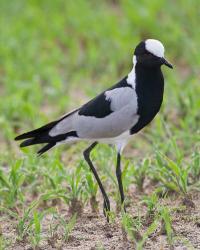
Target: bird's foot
(106,209)
(123,206)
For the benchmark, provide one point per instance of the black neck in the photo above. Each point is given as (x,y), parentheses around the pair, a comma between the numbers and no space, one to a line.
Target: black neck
(149,76)
(149,89)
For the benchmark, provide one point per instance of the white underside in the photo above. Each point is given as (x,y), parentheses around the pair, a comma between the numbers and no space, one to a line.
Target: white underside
(119,141)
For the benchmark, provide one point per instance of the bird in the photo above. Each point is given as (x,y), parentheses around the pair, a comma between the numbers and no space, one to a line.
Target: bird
(113,116)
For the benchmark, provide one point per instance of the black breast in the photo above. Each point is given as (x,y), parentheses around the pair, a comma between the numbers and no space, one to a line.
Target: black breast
(149,89)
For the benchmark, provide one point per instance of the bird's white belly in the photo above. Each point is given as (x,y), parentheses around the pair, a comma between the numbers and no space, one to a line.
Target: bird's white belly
(118,141)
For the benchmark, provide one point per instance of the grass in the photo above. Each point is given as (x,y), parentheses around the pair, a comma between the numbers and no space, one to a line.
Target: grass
(55,55)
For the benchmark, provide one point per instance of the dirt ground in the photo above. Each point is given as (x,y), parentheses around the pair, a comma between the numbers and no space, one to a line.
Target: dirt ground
(92,232)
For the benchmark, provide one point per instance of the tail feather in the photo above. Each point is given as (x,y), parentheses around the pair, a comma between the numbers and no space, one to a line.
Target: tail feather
(43,129)
(37,131)
(42,136)
(46,148)
(30,142)
(27,143)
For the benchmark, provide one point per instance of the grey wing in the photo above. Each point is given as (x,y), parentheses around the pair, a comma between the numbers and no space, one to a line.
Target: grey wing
(122,116)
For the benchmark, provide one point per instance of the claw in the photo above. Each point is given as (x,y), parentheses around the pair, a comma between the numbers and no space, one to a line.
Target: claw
(106,209)
(124,207)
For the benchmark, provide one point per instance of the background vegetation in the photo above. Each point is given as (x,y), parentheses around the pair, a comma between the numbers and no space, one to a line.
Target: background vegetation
(55,55)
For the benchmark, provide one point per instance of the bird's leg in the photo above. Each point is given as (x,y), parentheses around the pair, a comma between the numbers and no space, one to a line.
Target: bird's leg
(106,203)
(119,179)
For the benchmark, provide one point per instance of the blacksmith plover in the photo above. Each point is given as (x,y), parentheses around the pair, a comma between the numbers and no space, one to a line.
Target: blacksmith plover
(112,116)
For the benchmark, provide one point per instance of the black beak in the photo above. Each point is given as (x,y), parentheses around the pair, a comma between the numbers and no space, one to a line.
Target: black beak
(164,61)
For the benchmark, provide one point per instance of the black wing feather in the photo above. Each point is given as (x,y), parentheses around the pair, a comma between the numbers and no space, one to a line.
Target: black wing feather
(99,107)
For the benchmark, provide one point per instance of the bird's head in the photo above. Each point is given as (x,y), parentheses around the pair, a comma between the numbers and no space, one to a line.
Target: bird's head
(150,53)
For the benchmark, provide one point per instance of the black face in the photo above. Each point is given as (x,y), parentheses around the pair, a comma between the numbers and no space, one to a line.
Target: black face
(147,59)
